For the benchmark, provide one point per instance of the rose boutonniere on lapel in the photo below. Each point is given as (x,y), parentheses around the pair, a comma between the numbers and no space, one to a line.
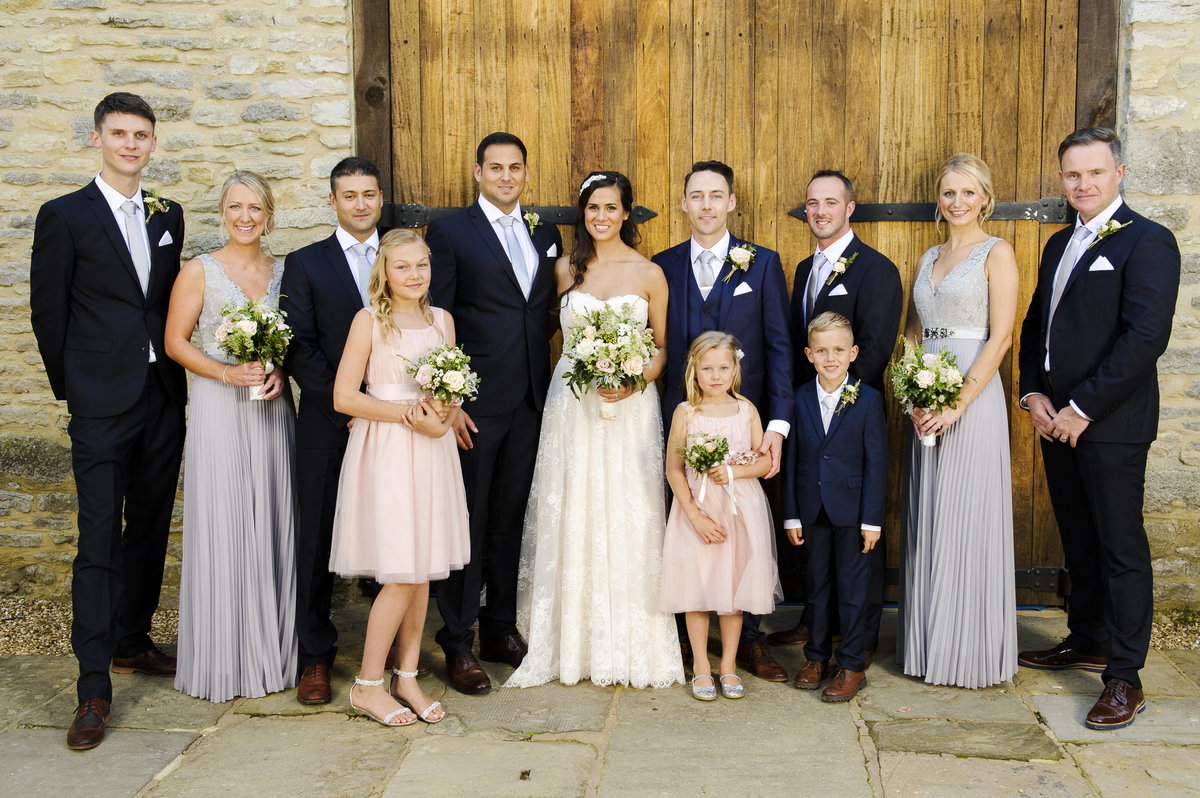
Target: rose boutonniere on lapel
(839,269)
(532,221)
(154,203)
(849,395)
(739,258)
(1107,229)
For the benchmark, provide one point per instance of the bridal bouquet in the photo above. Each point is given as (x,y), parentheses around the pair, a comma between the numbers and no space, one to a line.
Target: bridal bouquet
(607,347)
(925,380)
(254,331)
(445,372)
(704,451)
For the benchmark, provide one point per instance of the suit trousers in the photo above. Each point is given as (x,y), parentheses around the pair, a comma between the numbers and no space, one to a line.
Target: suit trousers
(1097,490)
(497,475)
(126,468)
(837,580)
(317,474)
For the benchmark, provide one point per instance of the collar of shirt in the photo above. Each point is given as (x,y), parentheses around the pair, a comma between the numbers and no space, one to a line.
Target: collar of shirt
(720,249)
(1100,219)
(835,250)
(345,240)
(822,393)
(116,199)
(493,213)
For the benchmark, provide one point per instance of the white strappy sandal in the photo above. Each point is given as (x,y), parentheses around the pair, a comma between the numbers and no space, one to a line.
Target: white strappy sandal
(388,719)
(428,710)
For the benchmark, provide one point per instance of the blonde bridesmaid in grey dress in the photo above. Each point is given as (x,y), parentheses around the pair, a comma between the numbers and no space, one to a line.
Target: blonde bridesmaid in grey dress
(957,592)
(237,596)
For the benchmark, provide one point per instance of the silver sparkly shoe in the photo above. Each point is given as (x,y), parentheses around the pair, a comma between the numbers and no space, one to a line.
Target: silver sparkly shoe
(708,693)
(732,690)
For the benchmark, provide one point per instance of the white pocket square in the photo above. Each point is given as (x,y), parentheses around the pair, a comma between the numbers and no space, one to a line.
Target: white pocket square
(838,290)
(553,251)
(166,239)
(743,288)
(1101,264)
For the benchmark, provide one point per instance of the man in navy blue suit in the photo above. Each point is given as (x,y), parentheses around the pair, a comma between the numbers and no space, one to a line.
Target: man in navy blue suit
(720,282)
(104,261)
(1097,323)
(493,270)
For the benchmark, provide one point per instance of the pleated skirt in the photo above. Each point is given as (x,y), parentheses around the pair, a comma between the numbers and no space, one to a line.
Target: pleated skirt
(238,591)
(958,622)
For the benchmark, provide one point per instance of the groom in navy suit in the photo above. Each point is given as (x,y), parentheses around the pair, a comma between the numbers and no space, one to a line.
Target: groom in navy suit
(720,282)
(1097,323)
(104,261)
(493,270)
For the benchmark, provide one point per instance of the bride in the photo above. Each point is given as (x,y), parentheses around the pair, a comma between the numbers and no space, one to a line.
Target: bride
(591,553)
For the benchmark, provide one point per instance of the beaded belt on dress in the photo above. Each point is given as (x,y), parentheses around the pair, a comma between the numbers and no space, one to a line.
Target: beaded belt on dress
(978,333)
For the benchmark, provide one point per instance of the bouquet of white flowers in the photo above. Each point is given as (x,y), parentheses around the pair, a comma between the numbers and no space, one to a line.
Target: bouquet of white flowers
(254,331)
(445,372)
(607,347)
(926,380)
(705,451)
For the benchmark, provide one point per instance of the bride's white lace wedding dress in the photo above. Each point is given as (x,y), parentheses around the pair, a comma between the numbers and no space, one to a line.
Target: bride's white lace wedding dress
(591,554)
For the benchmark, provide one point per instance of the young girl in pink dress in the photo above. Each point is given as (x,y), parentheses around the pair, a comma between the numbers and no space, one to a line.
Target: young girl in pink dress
(719,552)
(401,515)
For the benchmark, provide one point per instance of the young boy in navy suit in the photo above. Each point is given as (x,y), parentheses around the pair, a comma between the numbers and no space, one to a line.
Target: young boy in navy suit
(836,466)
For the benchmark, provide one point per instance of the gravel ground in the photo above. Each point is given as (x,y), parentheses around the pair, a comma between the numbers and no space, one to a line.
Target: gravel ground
(37,626)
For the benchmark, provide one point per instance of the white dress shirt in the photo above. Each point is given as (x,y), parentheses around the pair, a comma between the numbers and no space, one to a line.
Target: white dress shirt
(115,200)
(347,242)
(520,229)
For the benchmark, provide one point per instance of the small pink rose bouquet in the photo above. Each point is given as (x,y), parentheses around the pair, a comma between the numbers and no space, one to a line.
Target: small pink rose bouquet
(924,379)
(704,451)
(607,347)
(445,373)
(254,331)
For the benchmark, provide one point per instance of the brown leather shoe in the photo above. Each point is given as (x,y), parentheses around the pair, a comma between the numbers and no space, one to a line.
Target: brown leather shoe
(393,661)
(87,730)
(467,675)
(153,662)
(1118,706)
(1062,658)
(314,686)
(756,658)
(509,649)
(845,685)
(796,636)
(810,676)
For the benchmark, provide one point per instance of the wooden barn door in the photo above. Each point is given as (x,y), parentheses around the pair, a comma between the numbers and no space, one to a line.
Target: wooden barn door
(884,90)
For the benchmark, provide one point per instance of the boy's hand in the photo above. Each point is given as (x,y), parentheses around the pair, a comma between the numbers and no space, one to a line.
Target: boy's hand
(796,536)
(870,538)
(708,530)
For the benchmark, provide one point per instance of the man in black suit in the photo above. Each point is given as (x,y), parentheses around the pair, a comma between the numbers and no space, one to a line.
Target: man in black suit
(103,264)
(845,276)
(324,286)
(1098,321)
(493,269)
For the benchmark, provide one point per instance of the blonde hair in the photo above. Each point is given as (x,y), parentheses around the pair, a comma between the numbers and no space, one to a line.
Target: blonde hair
(828,322)
(973,168)
(379,292)
(705,343)
(261,189)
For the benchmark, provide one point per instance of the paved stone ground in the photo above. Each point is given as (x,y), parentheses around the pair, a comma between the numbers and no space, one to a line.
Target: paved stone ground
(900,737)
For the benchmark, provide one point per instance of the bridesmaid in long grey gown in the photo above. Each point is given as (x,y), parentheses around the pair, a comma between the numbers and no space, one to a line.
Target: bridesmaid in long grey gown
(237,598)
(958,621)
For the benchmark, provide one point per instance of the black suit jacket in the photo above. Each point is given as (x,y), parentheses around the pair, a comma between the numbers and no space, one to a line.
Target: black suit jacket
(1112,323)
(320,297)
(507,336)
(90,317)
(873,302)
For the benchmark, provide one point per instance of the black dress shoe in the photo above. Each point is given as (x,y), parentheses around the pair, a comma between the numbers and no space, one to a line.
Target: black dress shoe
(87,730)
(467,675)
(153,662)
(509,649)
(1062,657)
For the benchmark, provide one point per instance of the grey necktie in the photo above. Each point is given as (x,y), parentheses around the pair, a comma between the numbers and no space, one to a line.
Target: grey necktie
(516,254)
(828,403)
(814,285)
(137,244)
(365,255)
(1065,267)
(708,272)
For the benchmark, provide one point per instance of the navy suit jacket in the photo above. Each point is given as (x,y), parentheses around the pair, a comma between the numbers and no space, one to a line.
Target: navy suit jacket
(320,297)
(506,335)
(873,302)
(88,312)
(845,470)
(758,318)
(1111,326)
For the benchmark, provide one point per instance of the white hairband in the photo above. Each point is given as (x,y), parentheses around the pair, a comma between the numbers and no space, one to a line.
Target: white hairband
(590,180)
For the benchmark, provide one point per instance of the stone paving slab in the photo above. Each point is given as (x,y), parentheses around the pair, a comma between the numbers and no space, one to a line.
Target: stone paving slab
(908,698)
(38,764)
(1129,769)
(139,702)
(327,754)
(1166,720)
(446,765)
(1186,661)
(27,682)
(285,703)
(929,776)
(1159,678)
(551,708)
(992,740)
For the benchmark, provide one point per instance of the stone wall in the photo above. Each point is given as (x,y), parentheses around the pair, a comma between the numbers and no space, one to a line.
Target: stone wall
(260,84)
(1160,121)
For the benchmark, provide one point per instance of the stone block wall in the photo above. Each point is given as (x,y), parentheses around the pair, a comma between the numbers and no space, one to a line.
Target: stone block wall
(263,85)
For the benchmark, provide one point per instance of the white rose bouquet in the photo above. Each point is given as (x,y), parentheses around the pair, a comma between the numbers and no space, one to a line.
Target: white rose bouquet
(445,372)
(254,331)
(925,380)
(607,347)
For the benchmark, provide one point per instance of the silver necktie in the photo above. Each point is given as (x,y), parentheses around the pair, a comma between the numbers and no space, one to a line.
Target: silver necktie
(708,272)
(828,402)
(137,240)
(814,286)
(516,254)
(365,253)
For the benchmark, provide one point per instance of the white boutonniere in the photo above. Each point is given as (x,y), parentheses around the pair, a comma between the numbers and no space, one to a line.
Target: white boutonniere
(1107,229)
(839,269)
(849,394)
(154,203)
(532,220)
(739,258)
